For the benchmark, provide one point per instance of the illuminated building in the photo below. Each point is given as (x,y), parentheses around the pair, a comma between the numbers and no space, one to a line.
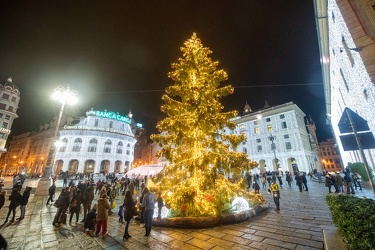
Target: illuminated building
(9,99)
(346,32)
(103,142)
(331,159)
(277,138)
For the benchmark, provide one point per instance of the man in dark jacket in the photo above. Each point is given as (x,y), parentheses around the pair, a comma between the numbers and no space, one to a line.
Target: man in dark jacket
(24,201)
(2,198)
(63,204)
(87,200)
(51,193)
(90,220)
(15,201)
(298,179)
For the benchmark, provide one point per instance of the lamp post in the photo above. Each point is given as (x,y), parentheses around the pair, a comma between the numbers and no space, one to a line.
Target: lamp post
(64,96)
(273,147)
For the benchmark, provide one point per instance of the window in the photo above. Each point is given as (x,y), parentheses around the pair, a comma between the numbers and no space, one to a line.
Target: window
(283,125)
(7,117)
(256,122)
(259,148)
(286,136)
(77,145)
(269,128)
(111,124)
(2,105)
(244,150)
(258,140)
(92,145)
(5,96)
(5,125)
(96,122)
(10,109)
(107,146)
(127,152)
(273,146)
(2,135)
(242,126)
(282,116)
(268,119)
(288,145)
(119,148)
(256,131)
(1,115)
(14,99)
(63,145)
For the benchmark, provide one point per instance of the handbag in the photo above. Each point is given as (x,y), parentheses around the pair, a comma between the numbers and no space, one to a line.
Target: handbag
(113,205)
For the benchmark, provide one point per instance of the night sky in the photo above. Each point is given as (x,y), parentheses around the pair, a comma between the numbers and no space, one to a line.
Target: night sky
(117,55)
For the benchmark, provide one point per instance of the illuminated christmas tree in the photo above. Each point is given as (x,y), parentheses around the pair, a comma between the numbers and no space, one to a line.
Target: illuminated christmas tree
(192,139)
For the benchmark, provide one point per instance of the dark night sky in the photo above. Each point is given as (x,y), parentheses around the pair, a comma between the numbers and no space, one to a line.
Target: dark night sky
(116,55)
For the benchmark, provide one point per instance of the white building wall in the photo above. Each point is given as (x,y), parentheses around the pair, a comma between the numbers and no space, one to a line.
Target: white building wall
(351,85)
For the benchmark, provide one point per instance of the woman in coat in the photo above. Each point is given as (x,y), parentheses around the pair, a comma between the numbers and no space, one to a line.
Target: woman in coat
(15,201)
(24,201)
(75,206)
(102,215)
(129,205)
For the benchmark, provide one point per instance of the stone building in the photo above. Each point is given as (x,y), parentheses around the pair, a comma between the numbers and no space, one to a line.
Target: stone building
(330,156)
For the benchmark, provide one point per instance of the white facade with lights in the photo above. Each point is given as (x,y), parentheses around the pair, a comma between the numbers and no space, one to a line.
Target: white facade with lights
(103,142)
(346,32)
(9,99)
(277,139)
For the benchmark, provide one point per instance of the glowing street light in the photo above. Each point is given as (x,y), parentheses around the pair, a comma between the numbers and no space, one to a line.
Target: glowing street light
(64,96)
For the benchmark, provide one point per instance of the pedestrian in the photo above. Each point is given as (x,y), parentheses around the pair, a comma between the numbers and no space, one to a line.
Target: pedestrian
(339,182)
(280,180)
(51,193)
(349,183)
(24,201)
(298,179)
(274,190)
(148,203)
(160,202)
(304,181)
(142,212)
(256,187)
(356,181)
(263,180)
(2,198)
(75,206)
(98,186)
(65,183)
(15,201)
(288,179)
(328,183)
(129,211)
(90,220)
(121,214)
(62,204)
(87,201)
(102,215)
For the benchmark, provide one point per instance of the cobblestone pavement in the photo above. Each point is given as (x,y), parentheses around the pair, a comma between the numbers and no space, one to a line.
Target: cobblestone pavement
(298,226)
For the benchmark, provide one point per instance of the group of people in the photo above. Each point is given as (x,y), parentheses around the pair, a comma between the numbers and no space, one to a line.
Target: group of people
(96,218)
(343,182)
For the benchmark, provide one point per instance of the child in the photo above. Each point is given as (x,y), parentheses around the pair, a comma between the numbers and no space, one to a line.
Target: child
(160,205)
(90,221)
(121,213)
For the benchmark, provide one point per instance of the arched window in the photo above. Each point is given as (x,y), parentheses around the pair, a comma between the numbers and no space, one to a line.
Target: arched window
(77,145)
(127,152)
(92,145)
(107,146)
(111,124)
(63,145)
(96,122)
(119,148)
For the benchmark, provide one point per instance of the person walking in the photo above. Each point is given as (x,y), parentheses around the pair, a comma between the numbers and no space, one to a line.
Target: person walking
(51,193)
(148,203)
(304,181)
(24,201)
(129,207)
(102,215)
(75,206)
(264,180)
(298,179)
(87,201)
(275,191)
(288,179)
(15,201)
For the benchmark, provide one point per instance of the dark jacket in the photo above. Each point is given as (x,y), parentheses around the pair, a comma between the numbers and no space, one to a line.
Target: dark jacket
(89,197)
(52,190)
(75,203)
(90,220)
(63,200)
(25,196)
(129,205)
(15,199)
(2,200)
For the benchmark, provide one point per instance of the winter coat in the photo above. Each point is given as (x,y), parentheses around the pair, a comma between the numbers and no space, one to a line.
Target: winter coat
(102,209)
(90,219)
(63,200)
(15,199)
(89,197)
(328,182)
(129,205)
(25,196)
(2,200)
(339,180)
(52,190)
(75,203)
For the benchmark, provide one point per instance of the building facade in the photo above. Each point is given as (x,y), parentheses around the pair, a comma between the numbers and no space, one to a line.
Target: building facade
(346,33)
(277,139)
(331,159)
(103,142)
(9,99)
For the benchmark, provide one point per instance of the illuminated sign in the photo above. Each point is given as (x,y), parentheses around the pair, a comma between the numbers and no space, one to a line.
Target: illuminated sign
(110,115)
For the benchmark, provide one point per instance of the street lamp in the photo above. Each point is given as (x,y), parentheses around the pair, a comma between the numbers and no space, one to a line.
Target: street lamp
(273,147)
(64,96)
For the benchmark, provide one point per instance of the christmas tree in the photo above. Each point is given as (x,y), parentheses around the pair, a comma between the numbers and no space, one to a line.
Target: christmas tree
(201,156)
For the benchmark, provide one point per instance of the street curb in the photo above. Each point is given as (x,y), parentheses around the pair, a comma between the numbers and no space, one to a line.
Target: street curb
(332,239)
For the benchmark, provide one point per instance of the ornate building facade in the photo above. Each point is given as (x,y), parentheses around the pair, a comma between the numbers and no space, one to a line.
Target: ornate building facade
(103,142)
(9,99)
(346,34)
(330,156)
(277,138)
